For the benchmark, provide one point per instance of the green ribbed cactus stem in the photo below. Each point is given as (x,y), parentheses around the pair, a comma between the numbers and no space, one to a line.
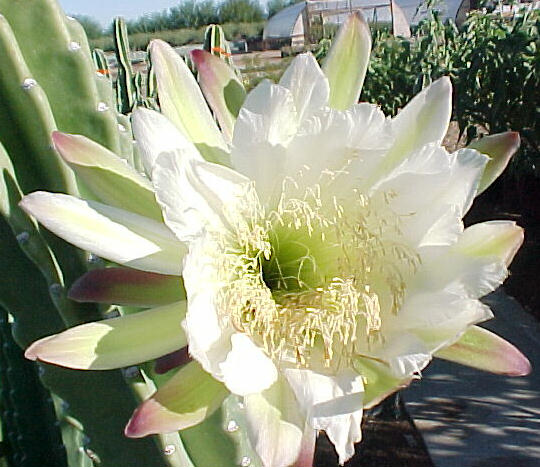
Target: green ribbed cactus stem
(59,61)
(26,121)
(138,82)
(28,412)
(49,81)
(101,63)
(151,85)
(125,88)
(225,432)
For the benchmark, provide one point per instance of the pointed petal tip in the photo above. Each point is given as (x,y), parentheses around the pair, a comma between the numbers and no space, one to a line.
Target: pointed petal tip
(158,44)
(58,137)
(358,17)
(198,55)
(442,86)
(514,138)
(140,424)
(500,148)
(485,350)
(31,353)
(38,349)
(523,367)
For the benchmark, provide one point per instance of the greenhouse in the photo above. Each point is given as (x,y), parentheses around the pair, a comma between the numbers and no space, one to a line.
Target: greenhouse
(288,26)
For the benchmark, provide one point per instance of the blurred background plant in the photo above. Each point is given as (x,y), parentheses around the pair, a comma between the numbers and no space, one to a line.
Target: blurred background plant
(494,63)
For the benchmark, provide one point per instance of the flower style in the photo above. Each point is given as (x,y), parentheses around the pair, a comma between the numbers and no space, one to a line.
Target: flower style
(321,247)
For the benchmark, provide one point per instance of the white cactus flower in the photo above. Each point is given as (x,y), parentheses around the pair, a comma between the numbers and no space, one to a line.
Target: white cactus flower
(321,246)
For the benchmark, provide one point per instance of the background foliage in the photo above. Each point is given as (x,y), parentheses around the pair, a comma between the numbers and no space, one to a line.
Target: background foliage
(494,64)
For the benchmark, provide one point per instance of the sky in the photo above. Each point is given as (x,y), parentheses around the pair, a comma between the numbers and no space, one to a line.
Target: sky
(105,10)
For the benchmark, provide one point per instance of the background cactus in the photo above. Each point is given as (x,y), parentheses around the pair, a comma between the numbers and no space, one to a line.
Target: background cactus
(216,44)
(126,88)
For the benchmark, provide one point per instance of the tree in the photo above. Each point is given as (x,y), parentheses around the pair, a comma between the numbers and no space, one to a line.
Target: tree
(274,6)
(90,25)
(240,11)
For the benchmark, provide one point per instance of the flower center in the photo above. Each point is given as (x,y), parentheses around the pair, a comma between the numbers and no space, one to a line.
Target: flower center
(312,280)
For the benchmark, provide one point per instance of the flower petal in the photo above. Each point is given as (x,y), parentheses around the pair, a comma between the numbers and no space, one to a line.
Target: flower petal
(426,117)
(425,323)
(338,147)
(422,121)
(195,194)
(223,90)
(208,336)
(155,134)
(379,382)
(265,125)
(308,85)
(188,398)
(116,342)
(332,403)
(500,239)
(274,425)
(477,263)
(500,148)
(480,348)
(122,286)
(451,181)
(346,63)
(110,178)
(112,233)
(247,370)
(182,102)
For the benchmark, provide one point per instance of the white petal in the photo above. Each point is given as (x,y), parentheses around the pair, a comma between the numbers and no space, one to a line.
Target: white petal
(425,323)
(338,147)
(181,101)
(247,370)
(195,194)
(274,425)
(208,336)
(308,85)
(422,121)
(429,228)
(112,233)
(155,134)
(432,177)
(265,124)
(332,404)
(275,115)
(467,168)
(500,239)
(475,265)
(426,117)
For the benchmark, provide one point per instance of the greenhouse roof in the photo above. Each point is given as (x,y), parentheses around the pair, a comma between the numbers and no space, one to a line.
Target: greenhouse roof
(282,23)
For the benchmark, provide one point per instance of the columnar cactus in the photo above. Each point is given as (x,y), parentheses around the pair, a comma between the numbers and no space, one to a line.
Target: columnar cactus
(216,43)
(126,88)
